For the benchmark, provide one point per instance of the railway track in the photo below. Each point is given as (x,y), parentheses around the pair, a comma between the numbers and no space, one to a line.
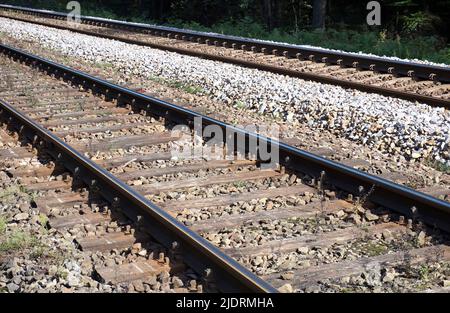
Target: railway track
(412,81)
(107,169)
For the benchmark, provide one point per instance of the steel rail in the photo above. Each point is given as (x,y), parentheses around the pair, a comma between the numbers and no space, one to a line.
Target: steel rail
(347,59)
(398,198)
(197,252)
(374,63)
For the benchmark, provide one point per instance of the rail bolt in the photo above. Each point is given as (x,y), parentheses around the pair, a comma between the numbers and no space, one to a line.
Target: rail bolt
(360,189)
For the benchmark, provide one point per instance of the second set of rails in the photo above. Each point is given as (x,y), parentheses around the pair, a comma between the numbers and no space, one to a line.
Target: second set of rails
(400,79)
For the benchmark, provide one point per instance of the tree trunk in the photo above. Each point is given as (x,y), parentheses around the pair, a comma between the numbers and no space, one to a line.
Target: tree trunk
(319,11)
(159,9)
(269,14)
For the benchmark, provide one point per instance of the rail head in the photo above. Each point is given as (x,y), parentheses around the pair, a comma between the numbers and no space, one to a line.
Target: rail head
(380,64)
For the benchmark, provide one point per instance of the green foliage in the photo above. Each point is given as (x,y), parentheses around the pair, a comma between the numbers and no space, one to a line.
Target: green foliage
(17,240)
(192,89)
(418,22)
(379,42)
(424,272)
(239,184)
(12,192)
(43,220)
(442,167)
(239,104)
(2,225)
(195,90)
(374,249)
(62,273)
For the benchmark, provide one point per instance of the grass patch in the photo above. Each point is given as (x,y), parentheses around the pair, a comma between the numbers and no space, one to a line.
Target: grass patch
(374,249)
(239,104)
(18,240)
(15,191)
(104,65)
(439,166)
(239,184)
(2,225)
(347,290)
(61,273)
(424,272)
(185,87)
(43,220)
(195,90)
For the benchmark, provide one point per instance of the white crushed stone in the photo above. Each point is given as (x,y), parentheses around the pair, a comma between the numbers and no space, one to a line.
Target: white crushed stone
(389,124)
(360,53)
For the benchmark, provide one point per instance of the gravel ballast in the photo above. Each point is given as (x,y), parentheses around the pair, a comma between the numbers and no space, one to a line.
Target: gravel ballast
(360,53)
(416,131)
